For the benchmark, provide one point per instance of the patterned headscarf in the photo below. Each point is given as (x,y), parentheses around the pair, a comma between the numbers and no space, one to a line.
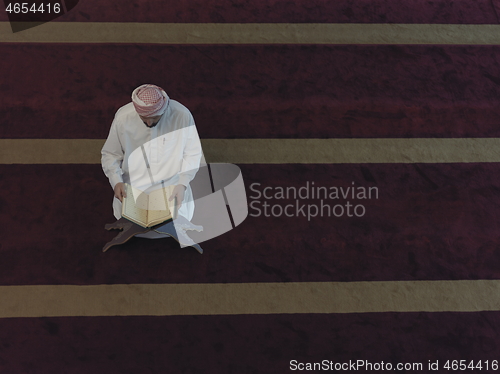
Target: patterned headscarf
(150,100)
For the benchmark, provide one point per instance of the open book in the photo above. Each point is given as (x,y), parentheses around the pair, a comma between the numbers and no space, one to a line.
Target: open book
(148,209)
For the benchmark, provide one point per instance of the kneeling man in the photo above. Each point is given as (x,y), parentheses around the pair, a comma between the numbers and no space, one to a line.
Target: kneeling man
(152,141)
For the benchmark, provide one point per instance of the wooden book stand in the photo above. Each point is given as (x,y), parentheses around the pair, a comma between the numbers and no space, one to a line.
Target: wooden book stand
(129,229)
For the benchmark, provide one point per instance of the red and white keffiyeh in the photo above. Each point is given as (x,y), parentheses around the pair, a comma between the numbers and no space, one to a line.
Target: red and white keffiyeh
(150,100)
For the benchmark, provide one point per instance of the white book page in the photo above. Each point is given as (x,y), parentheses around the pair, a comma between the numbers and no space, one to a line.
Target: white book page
(134,205)
(158,205)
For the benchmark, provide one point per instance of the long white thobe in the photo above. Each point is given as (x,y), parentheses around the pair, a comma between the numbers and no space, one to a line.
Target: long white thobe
(170,152)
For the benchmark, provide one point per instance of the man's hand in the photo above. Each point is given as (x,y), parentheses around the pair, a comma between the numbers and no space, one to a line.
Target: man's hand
(120,191)
(178,193)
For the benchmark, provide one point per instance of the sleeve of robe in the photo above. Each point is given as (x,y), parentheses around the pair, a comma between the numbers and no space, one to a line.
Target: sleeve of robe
(112,156)
(191,156)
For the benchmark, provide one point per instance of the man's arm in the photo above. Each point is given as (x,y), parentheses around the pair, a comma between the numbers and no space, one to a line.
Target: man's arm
(111,160)
(191,156)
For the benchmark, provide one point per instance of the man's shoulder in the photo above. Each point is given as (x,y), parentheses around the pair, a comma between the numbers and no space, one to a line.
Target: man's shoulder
(124,115)
(179,116)
(126,110)
(178,107)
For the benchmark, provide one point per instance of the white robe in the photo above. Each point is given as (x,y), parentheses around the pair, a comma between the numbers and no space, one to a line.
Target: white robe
(171,149)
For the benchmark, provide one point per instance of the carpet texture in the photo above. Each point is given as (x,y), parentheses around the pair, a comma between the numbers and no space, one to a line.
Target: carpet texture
(430,221)
(243,344)
(257,91)
(279,11)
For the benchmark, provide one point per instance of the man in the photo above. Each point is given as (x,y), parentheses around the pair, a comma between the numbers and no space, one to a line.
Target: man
(152,141)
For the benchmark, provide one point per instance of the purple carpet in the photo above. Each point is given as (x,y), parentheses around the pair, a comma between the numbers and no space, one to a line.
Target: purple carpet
(257,91)
(430,222)
(301,11)
(263,344)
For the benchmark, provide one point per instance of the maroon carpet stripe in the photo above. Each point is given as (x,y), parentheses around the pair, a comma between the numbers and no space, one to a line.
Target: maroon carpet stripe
(244,344)
(73,91)
(320,11)
(431,222)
